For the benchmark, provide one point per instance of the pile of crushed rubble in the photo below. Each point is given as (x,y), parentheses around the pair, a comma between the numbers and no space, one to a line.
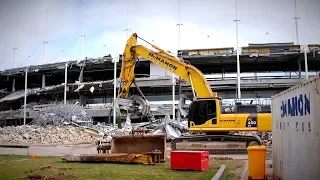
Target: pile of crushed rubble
(67,124)
(31,134)
(172,128)
(60,114)
(266,138)
(53,124)
(73,134)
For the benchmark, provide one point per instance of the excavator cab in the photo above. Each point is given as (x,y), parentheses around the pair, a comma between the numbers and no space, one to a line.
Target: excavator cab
(202,110)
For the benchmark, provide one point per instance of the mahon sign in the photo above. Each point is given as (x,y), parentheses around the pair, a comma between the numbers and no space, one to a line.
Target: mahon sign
(162,61)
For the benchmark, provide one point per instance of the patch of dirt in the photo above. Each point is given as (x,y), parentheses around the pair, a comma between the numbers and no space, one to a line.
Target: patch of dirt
(59,176)
(49,168)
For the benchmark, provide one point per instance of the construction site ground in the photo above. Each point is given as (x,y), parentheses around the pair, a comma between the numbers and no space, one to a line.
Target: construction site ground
(19,165)
(44,167)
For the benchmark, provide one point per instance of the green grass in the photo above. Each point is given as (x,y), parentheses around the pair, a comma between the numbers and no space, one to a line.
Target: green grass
(5,158)
(23,169)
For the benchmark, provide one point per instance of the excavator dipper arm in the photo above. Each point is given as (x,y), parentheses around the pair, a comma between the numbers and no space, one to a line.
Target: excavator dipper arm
(173,64)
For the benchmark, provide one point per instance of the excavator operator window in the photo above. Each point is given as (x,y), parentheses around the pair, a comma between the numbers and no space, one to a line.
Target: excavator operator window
(202,111)
(212,111)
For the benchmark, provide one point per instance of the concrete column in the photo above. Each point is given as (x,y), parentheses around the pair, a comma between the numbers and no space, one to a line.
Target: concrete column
(82,98)
(115,91)
(306,61)
(43,85)
(299,66)
(81,74)
(65,83)
(222,74)
(14,85)
(25,97)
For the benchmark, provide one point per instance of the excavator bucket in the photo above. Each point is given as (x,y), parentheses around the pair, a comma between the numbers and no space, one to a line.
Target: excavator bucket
(134,148)
(140,144)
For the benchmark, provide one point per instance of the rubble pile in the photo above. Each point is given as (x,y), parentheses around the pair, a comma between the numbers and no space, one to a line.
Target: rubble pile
(56,124)
(68,124)
(31,134)
(172,128)
(266,138)
(59,114)
(105,130)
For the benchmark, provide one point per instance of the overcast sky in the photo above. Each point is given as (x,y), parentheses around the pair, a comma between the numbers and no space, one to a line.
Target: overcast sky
(206,24)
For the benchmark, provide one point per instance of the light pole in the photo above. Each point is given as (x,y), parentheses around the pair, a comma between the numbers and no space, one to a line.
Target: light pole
(25,97)
(238,58)
(82,34)
(15,44)
(65,82)
(296,20)
(114,89)
(45,42)
(305,49)
(173,75)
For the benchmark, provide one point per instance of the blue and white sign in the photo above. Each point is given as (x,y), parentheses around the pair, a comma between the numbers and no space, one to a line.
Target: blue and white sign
(296,106)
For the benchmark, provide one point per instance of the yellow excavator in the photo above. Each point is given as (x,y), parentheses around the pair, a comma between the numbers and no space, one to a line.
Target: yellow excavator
(210,126)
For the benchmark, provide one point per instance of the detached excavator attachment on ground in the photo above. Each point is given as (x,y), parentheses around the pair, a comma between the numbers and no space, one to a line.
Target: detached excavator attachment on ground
(134,148)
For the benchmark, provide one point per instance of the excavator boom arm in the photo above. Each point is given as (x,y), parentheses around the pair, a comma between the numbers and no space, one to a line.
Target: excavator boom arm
(173,64)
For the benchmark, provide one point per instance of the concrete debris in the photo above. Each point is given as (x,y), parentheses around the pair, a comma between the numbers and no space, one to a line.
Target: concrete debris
(26,136)
(91,89)
(172,128)
(67,123)
(127,125)
(172,133)
(266,138)
(61,124)
(60,114)
(13,96)
(79,88)
(31,134)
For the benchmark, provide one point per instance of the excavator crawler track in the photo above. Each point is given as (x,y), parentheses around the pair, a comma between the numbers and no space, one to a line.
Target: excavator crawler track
(216,144)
